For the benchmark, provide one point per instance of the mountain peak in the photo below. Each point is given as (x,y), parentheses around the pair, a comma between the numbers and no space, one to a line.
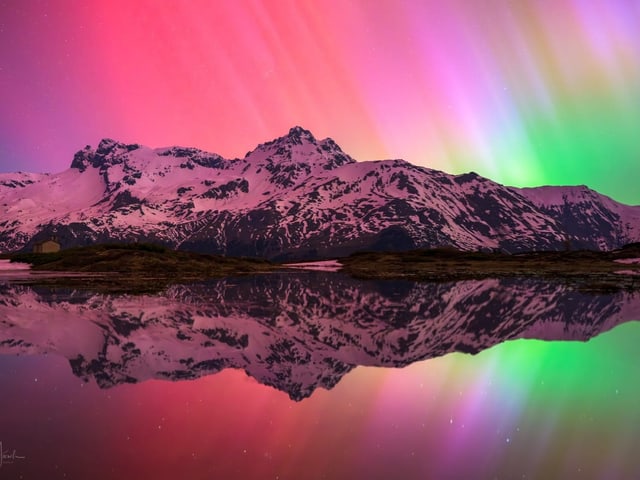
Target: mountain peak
(299,133)
(299,147)
(296,136)
(107,150)
(108,145)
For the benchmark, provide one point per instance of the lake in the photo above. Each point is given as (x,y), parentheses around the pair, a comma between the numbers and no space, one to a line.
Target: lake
(317,375)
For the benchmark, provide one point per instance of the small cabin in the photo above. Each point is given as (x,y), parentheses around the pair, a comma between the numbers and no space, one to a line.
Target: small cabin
(47,246)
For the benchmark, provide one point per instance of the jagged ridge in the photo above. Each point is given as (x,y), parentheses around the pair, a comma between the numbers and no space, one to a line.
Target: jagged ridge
(295,197)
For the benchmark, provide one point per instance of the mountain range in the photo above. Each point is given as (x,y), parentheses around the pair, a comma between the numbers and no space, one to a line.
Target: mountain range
(295,331)
(295,197)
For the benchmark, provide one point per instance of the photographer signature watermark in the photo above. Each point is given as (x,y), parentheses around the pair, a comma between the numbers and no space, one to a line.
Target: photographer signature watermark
(9,456)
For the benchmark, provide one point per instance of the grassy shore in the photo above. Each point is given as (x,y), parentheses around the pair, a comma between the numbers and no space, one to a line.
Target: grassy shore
(141,268)
(134,267)
(598,271)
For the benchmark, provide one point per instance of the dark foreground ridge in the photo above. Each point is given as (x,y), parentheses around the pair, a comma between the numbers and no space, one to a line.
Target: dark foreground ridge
(139,268)
(588,270)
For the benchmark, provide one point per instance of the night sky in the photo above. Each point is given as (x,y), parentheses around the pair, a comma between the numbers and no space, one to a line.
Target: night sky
(524,92)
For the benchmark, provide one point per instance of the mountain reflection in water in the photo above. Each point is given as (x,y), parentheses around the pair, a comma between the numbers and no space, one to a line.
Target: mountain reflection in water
(295,331)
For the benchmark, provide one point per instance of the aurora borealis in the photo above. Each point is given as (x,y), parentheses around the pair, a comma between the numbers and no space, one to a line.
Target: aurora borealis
(524,92)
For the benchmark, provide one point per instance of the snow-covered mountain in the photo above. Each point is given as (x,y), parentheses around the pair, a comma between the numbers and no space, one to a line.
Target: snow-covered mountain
(295,197)
(296,331)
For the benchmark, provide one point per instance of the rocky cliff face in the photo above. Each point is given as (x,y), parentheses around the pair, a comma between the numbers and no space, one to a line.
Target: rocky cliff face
(296,332)
(295,197)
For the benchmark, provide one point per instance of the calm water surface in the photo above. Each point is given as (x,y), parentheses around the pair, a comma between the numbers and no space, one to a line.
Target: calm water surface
(316,375)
